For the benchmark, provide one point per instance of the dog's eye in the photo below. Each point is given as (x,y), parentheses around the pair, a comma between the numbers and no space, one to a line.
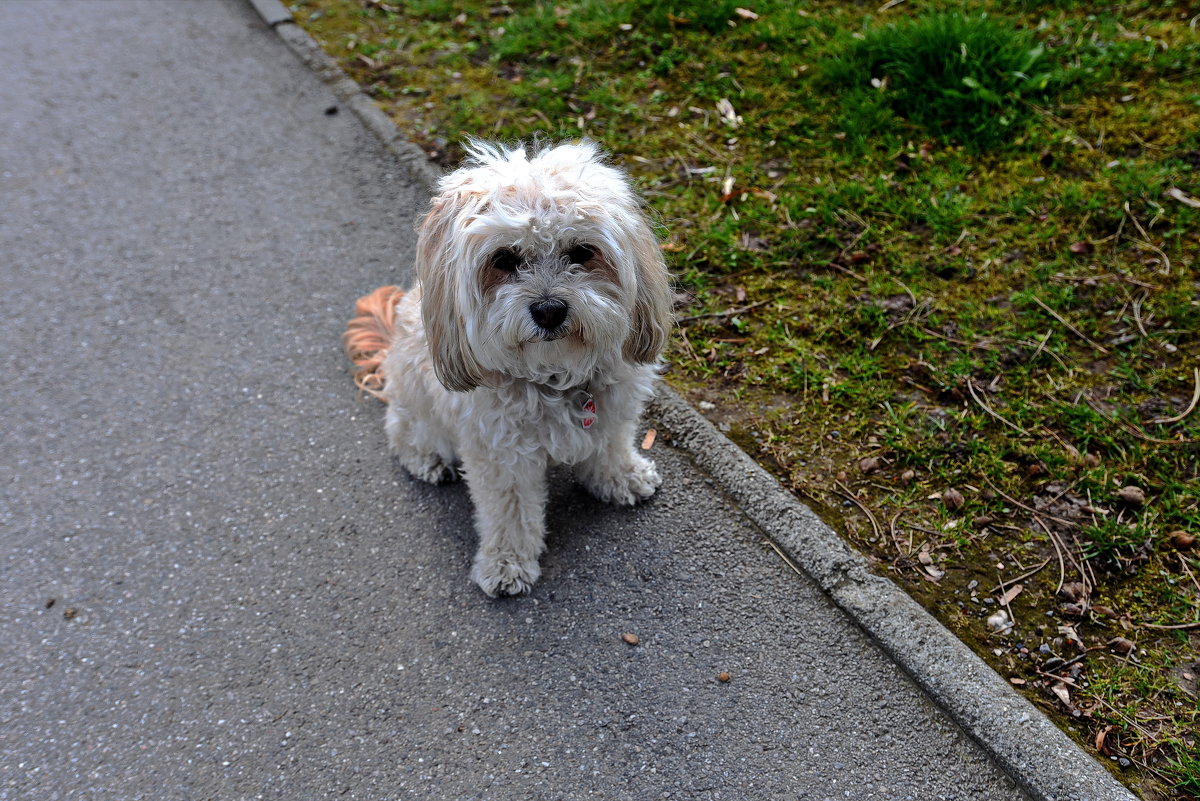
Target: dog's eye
(580,254)
(506,260)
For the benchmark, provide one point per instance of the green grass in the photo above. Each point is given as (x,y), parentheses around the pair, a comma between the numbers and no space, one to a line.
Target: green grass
(961,77)
(937,238)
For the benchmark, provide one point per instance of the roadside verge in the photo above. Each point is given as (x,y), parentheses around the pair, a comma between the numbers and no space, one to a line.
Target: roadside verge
(1040,757)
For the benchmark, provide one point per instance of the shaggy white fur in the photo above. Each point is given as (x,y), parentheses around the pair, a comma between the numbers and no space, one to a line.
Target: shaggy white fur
(532,337)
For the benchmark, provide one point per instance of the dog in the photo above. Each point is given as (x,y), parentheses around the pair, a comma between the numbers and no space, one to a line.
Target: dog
(533,336)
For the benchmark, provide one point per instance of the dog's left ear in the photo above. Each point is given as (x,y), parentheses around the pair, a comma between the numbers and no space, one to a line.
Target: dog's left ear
(652,300)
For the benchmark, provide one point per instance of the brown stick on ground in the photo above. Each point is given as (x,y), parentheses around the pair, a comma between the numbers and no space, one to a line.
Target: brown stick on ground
(368,335)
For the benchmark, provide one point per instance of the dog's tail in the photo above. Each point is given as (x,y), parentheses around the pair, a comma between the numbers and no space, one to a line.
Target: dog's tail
(368,336)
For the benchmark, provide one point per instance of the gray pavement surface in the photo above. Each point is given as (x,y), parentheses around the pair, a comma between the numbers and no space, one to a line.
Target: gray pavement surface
(214,584)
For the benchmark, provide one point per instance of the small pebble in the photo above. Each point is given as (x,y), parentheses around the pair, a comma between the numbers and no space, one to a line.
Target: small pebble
(724,675)
(1181,540)
(1132,496)
(998,621)
(1120,645)
(631,639)
(953,499)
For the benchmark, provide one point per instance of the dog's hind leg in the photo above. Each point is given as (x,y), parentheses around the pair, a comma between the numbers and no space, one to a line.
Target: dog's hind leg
(421,450)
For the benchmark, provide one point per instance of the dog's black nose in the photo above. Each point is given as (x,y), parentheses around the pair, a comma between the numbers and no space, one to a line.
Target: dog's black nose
(548,314)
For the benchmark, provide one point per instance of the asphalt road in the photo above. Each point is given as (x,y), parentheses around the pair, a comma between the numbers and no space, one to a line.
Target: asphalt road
(214,584)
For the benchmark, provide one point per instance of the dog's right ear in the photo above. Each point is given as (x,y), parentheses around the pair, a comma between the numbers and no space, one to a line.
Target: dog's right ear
(438,273)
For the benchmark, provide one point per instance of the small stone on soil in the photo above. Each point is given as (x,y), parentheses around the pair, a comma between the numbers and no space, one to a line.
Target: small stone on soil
(1132,496)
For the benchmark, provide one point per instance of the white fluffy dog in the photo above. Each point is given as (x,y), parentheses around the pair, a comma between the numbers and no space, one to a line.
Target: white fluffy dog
(532,337)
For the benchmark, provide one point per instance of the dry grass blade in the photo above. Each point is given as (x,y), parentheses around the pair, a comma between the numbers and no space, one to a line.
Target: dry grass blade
(1176,193)
(1146,243)
(845,492)
(993,413)
(1144,437)
(1070,327)
(786,559)
(1062,565)
(1191,406)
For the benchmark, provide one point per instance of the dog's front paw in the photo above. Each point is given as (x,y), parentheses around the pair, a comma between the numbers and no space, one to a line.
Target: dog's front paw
(637,483)
(504,574)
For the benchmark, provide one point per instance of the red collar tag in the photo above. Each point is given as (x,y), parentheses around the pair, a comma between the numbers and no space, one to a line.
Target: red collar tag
(589,412)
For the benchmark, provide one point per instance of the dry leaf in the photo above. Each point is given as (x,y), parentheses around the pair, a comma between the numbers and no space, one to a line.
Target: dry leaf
(1081,247)
(934,574)
(1063,693)
(952,499)
(648,440)
(1181,540)
(1131,495)
(1120,645)
(1070,633)
(1013,592)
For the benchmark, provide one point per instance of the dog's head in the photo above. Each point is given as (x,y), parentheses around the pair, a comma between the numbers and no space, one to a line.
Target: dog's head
(539,268)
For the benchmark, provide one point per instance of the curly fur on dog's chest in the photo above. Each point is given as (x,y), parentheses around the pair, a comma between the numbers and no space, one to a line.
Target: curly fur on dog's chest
(551,421)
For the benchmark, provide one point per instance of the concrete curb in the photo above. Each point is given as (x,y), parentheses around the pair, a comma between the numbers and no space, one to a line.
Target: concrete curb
(1037,754)
(1042,759)
(411,157)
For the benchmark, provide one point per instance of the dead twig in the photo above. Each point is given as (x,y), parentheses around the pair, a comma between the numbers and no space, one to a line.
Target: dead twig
(1029,509)
(1174,627)
(726,313)
(1021,577)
